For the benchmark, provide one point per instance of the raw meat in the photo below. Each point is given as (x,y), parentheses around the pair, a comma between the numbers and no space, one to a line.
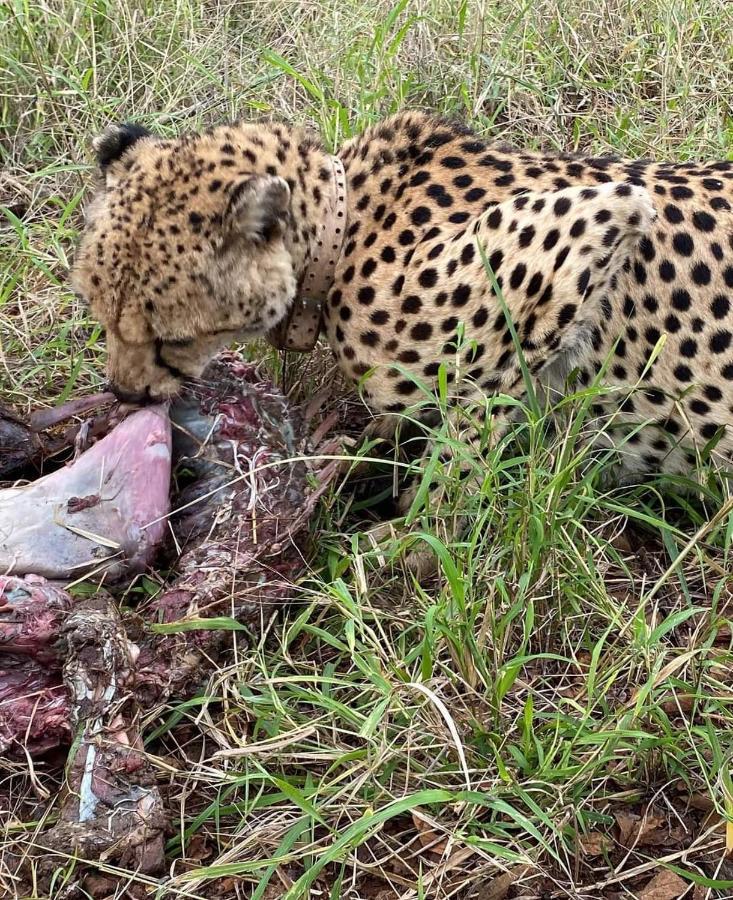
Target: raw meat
(32,612)
(34,705)
(243,501)
(76,672)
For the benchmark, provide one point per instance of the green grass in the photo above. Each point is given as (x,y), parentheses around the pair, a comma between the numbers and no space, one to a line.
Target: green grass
(572,665)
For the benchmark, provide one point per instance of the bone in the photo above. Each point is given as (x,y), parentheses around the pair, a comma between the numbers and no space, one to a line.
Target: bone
(111,809)
(42,419)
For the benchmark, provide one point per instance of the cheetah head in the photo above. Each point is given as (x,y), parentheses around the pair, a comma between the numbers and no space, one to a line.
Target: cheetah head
(185,248)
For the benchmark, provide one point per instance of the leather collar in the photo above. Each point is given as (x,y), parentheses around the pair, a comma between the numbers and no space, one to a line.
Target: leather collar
(300,328)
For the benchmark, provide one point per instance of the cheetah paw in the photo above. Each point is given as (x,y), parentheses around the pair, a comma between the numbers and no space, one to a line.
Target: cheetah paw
(421,563)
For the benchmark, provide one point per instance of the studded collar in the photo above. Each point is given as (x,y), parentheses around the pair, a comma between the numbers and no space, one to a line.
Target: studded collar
(300,328)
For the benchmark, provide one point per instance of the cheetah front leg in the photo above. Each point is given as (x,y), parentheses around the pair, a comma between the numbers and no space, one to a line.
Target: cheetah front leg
(455,461)
(514,324)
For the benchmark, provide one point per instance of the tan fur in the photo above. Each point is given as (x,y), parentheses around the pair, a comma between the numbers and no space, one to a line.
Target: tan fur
(597,259)
(172,262)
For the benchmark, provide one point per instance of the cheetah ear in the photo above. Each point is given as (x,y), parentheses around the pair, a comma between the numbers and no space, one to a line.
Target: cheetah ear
(115,141)
(259,208)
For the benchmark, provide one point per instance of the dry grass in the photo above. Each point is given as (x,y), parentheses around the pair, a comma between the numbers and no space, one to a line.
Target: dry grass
(571,668)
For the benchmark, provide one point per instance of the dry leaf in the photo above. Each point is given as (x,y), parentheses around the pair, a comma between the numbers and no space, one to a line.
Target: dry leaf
(98,886)
(674,666)
(703,802)
(224,888)
(595,843)
(628,827)
(198,849)
(664,886)
(499,887)
(622,543)
(682,705)
(428,837)
(651,830)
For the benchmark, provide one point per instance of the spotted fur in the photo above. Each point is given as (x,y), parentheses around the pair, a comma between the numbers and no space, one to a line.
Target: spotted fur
(194,240)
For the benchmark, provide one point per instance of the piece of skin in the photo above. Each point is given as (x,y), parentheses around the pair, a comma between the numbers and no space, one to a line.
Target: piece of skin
(105,512)
(19,446)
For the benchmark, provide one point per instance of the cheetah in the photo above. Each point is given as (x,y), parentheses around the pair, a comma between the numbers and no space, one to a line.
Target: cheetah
(449,254)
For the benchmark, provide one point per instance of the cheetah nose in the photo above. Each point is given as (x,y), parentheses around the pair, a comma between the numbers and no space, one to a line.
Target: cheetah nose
(137,398)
